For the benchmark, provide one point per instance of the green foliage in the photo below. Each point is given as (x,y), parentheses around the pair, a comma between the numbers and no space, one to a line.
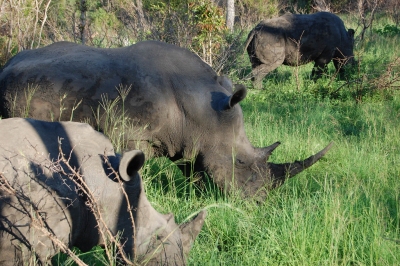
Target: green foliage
(251,12)
(157,7)
(170,22)
(208,18)
(209,22)
(175,4)
(303,6)
(388,30)
(102,16)
(198,25)
(96,256)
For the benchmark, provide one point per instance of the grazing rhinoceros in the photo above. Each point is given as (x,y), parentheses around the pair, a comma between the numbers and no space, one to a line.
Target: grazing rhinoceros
(42,208)
(299,39)
(181,108)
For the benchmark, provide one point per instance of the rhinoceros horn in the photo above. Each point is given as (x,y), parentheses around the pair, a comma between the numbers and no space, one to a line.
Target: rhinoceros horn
(191,230)
(281,172)
(267,151)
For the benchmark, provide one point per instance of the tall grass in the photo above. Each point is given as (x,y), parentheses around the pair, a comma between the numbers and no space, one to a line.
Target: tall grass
(344,210)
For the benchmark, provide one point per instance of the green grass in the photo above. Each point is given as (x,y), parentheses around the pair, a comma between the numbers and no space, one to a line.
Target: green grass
(344,210)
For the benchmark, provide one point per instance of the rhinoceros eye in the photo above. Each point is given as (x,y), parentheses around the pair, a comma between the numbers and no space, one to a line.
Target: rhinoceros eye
(239,162)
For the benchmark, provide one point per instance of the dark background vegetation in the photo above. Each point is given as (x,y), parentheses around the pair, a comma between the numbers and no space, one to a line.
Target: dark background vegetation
(198,25)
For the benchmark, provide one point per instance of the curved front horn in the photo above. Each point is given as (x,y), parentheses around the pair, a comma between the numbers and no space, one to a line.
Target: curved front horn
(281,172)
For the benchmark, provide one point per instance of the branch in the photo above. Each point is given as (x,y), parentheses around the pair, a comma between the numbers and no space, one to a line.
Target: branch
(91,202)
(129,207)
(38,222)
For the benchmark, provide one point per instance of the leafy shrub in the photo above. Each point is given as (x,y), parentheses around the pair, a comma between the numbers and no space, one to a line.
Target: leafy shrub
(210,27)
(388,30)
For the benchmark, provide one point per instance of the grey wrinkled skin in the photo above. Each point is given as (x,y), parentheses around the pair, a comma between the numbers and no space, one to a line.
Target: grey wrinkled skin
(178,105)
(28,150)
(294,40)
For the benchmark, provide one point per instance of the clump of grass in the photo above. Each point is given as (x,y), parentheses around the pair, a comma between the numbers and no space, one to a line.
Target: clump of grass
(111,118)
(29,91)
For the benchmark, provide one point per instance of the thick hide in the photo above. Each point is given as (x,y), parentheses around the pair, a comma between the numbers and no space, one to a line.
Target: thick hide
(299,39)
(177,106)
(42,208)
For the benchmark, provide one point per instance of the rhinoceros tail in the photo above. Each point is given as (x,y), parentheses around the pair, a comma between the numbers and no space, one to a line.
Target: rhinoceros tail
(249,39)
(281,172)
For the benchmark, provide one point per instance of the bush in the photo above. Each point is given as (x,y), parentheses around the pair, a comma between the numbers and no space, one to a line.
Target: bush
(388,30)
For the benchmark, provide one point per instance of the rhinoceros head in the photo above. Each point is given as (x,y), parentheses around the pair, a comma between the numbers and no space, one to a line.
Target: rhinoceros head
(349,47)
(232,159)
(158,239)
(83,209)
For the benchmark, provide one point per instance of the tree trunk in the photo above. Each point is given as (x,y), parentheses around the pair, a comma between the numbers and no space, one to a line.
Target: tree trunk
(230,14)
(82,25)
(142,20)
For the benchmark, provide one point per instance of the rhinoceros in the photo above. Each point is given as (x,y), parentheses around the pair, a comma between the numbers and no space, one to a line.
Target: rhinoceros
(294,39)
(179,105)
(42,208)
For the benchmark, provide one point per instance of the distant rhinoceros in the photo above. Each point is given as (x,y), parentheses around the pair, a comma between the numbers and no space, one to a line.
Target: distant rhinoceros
(294,40)
(42,208)
(177,103)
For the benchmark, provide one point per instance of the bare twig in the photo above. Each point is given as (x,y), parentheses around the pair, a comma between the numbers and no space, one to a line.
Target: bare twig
(366,20)
(390,78)
(77,178)
(43,22)
(129,207)
(38,223)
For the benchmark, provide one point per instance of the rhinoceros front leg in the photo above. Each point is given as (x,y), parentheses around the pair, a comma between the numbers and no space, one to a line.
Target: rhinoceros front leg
(320,67)
(340,63)
(321,63)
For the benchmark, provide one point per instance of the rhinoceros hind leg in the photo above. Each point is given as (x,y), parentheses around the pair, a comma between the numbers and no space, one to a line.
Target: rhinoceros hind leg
(261,71)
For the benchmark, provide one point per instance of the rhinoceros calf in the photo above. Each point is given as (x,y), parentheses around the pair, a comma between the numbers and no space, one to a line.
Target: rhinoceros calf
(180,106)
(40,204)
(294,40)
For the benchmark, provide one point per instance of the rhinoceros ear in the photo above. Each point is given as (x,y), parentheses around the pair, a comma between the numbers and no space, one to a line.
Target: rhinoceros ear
(221,101)
(351,33)
(191,230)
(239,94)
(130,164)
